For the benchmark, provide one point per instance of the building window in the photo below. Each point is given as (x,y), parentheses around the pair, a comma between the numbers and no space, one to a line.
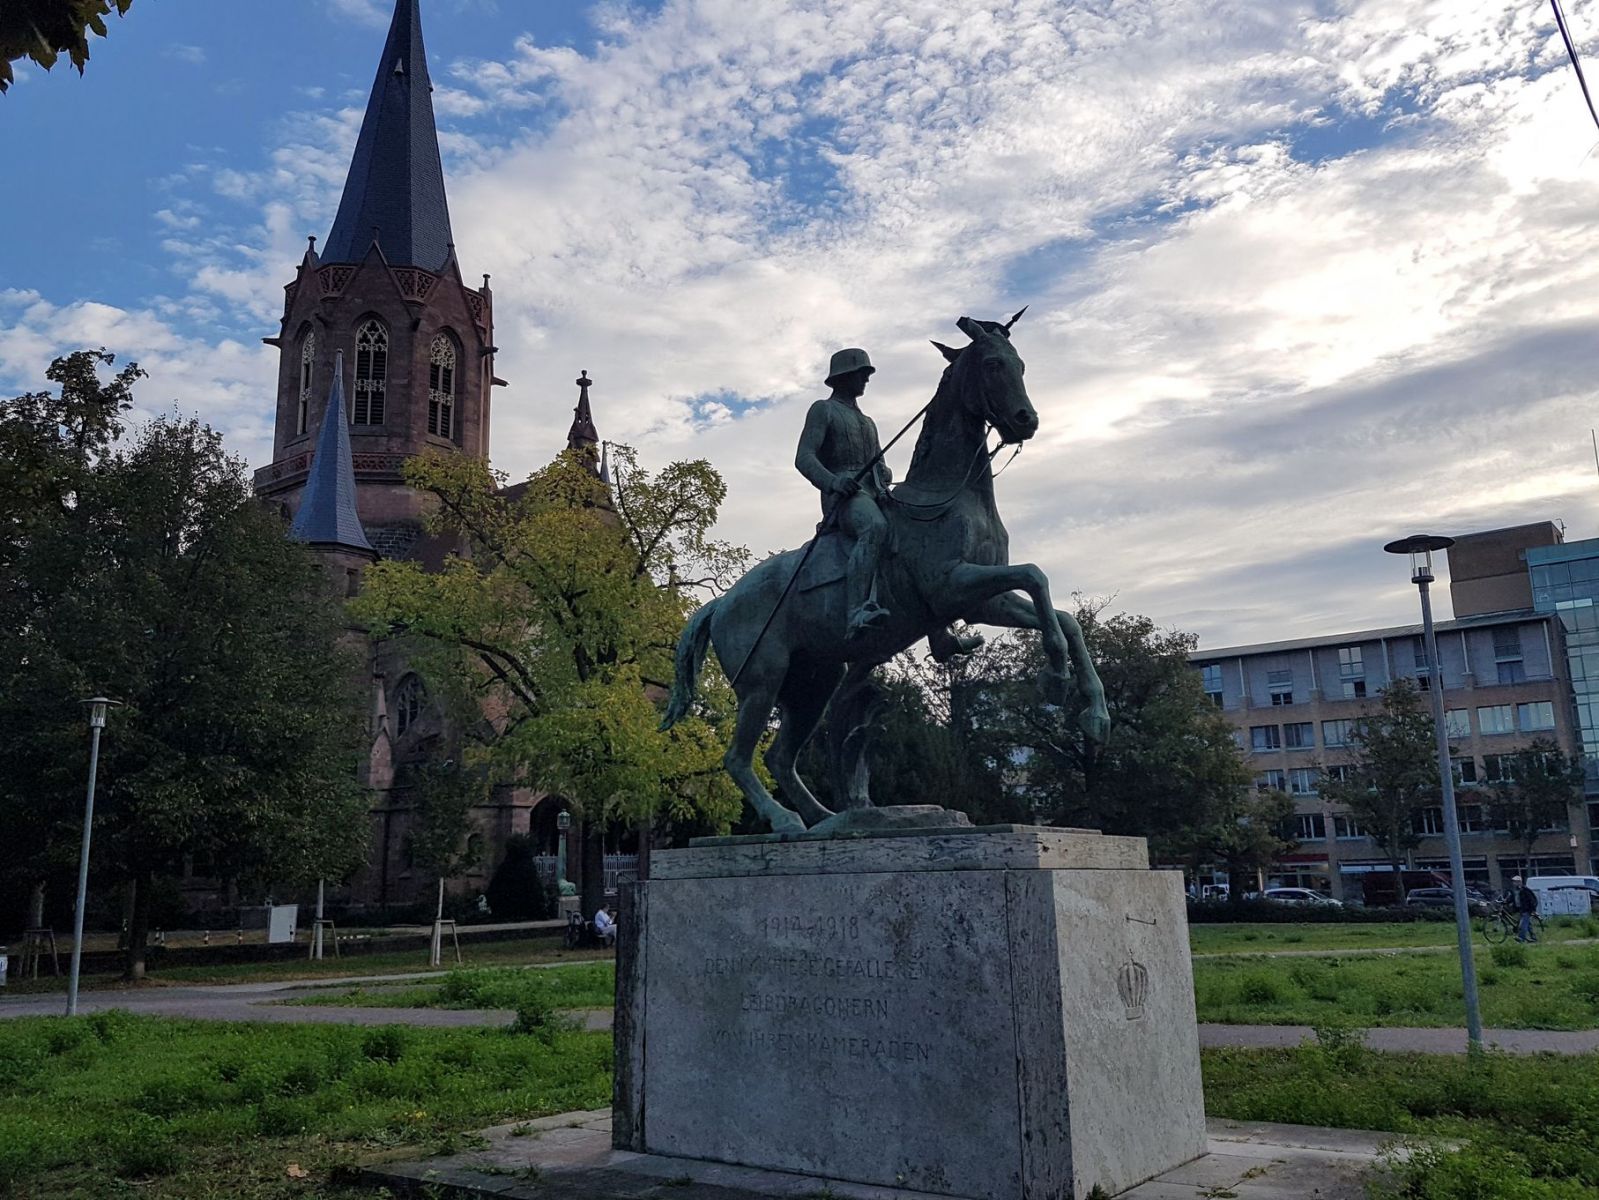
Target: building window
(1310,827)
(1280,684)
(1337,733)
(1418,647)
(441,387)
(409,698)
(1302,781)
(1497,768)
(1538,715)
(1300,735)
(302,412)
(1457,723)
(1496,718)
(1428,820)
(1341,773)
(1345,826)
(1465,770)
(1265,737)
(371,373)
(1210,678)
(1593,814)
(1507,655)
(1352,672)
(1272,781)
(1472,818)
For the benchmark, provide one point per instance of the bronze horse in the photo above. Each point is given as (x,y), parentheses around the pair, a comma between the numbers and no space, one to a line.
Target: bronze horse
(948,559)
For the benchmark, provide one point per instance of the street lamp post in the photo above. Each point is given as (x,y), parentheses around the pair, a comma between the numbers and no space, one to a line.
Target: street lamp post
(1419,548)
(97,711)
(563,822)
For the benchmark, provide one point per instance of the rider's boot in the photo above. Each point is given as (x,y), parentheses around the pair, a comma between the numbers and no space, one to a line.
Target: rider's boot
(865,613)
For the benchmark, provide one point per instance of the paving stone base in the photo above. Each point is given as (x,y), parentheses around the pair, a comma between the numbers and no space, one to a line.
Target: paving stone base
(570,1157)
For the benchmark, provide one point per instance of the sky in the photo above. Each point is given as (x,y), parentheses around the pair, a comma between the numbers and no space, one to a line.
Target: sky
(1303,275)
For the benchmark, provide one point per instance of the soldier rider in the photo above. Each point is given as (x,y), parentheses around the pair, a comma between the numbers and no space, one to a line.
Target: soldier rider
(840,440)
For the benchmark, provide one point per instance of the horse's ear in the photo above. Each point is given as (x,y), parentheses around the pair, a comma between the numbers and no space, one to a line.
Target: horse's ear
(972,329)
(1016,318)
(949,352)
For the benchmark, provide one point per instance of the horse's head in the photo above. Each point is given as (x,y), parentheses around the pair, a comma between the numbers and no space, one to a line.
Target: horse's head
(987,375)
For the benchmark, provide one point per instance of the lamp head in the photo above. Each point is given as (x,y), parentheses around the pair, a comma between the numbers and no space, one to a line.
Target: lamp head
(563,821)
(1419,546)
(97,706)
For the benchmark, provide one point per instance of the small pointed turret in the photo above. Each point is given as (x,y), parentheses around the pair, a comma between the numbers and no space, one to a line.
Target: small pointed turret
(327,515)
(583,437)
(395,191)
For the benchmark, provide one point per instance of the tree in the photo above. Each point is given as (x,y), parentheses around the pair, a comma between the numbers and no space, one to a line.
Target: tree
(556,636)
(1171,763)
(1392,772)
(50,444)
(42,30)
(516,892)
(150,574)
(1246,836)
(1539,783)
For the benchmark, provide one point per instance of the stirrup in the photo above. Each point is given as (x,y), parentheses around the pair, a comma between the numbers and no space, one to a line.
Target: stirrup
(868,616)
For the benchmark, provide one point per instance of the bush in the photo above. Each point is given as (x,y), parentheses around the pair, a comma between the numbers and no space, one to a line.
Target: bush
(1222,912)
(1259,989)
(384,1044)
(516,892)
(1509,954)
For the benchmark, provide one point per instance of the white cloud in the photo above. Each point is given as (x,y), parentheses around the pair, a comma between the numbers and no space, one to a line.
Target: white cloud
(1302,274)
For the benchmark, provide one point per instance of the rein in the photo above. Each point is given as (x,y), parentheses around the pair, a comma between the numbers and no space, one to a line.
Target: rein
(943,505)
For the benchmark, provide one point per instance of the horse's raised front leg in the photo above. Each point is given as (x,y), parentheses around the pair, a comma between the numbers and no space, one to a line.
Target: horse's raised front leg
(1009,611)
(971,586)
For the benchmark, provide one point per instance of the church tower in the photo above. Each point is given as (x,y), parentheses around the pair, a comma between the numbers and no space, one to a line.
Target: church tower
(386,294)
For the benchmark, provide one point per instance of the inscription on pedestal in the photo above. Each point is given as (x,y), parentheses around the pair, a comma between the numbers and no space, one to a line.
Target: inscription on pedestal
(861,1022)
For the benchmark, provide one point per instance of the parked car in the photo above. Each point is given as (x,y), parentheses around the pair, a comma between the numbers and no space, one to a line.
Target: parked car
(1293,895)
(1442,897)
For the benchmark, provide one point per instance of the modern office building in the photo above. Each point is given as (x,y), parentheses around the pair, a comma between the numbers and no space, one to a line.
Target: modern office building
(1525,622)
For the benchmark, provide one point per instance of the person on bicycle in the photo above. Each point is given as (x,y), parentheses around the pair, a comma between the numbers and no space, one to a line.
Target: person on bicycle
(1527,906)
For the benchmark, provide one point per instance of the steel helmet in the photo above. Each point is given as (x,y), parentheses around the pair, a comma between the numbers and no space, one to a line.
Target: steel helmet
(845,361)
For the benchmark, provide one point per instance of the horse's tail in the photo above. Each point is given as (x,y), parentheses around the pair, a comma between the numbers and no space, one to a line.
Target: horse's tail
(691,646)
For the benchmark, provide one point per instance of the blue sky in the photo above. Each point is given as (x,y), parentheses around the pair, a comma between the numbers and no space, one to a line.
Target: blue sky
(1265,243)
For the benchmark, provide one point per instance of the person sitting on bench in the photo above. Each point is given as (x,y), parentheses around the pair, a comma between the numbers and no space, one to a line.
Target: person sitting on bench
(605,927)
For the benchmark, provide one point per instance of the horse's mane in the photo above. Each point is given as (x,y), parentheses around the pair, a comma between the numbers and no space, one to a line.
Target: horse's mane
(925,437)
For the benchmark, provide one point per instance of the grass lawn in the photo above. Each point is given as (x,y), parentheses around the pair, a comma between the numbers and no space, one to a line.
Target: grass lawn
(399,962)
(1264,938)
(1527,1128)
(585,985)
(1547,986)
(113,1105)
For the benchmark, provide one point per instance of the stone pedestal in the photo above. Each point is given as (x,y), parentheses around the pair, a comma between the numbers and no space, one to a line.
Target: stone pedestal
(997,1012)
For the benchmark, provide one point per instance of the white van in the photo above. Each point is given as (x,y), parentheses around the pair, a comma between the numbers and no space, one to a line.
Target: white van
(1566,895)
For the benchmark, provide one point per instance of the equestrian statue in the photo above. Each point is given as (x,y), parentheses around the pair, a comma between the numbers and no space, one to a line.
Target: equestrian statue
(889,565)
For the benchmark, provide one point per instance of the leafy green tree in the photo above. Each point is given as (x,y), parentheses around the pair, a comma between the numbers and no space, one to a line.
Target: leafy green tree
(1246,836)
(150,574)
(1392,771)
(1171,762)
(50,444)
(555,638)
(515,891)
(1540,783)
(43,30)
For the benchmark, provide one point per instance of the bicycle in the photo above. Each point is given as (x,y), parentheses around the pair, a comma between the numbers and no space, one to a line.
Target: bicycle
(1505,922)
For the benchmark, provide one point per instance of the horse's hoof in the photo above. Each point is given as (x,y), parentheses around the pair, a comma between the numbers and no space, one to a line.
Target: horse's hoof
(1057,687)
(784,821)
(1095,724)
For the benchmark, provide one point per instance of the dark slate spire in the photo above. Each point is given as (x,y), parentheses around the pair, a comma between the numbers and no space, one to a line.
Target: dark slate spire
(327,515)
(396,182)
(583,436)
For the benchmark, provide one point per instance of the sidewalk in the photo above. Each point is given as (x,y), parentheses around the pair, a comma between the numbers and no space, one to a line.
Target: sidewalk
(262,1002)
(570,1157)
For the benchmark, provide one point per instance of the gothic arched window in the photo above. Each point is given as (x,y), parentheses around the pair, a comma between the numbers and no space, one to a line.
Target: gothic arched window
(302,415)
(441,387)
(371,373)
(409,698)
